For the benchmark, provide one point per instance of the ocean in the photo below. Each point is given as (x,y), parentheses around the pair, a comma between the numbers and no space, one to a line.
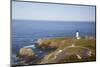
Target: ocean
(25,32)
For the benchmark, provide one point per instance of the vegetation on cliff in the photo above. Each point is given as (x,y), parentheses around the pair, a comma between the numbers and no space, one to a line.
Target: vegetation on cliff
(67,49)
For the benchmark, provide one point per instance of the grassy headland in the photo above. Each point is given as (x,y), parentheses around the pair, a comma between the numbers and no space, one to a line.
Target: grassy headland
(69,49)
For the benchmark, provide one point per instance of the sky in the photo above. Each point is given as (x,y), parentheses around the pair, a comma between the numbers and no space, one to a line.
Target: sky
(52,12)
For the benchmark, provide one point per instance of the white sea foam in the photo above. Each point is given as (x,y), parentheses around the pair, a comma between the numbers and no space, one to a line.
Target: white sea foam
(30,46)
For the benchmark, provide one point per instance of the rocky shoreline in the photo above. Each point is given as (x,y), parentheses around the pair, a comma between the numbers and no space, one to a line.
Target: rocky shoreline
(63,49)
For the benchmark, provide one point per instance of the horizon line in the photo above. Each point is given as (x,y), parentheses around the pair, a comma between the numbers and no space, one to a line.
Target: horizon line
(53,20)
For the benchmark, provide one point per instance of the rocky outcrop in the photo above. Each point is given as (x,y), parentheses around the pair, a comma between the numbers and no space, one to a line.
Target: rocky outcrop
(26,53)
(53,42)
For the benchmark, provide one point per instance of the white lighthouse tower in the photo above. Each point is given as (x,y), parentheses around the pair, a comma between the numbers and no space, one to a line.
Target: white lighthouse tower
(77,35)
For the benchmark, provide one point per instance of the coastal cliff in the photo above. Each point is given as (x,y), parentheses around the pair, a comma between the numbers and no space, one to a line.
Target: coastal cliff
(68,49)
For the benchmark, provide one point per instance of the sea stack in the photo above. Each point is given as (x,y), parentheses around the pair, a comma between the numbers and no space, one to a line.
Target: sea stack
(77,35)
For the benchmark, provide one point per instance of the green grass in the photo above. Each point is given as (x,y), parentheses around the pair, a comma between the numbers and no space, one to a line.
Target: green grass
(62,42)
(66,42)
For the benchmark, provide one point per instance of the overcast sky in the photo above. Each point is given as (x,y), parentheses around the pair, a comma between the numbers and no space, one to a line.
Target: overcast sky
(52,12)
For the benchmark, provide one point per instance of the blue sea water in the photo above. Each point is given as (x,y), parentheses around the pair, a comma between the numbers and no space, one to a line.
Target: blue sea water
(25,32)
